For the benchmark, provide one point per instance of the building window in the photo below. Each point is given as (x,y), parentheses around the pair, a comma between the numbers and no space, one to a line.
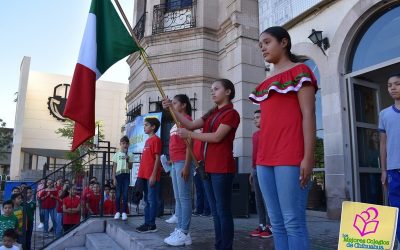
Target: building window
(172,5)
(174,15)
(378,40)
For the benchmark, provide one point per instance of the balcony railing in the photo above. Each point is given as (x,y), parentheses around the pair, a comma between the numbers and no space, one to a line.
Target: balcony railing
(139,28)
(175,15)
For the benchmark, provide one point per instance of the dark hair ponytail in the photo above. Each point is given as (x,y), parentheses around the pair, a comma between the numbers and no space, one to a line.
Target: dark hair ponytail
(280,33)
(184,99)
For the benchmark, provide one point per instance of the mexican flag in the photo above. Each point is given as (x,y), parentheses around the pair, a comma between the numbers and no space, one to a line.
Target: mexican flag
(105,41)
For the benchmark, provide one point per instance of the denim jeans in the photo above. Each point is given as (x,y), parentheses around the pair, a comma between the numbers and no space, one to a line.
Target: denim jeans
(151,201)
(52,213)
(59,224)
(263,217)
(202,206)
(286,203)
(183,195)
(219,193)
(393,179)
(122,189)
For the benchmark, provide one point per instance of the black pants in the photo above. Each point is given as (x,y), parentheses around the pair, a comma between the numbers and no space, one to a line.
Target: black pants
(68,227)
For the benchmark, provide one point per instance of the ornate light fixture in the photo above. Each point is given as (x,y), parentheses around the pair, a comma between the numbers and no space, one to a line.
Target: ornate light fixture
(316,38)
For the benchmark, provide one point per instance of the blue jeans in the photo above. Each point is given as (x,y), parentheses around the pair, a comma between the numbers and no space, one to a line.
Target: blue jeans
(219,193)
(263,217)
(59,224)
(393,178)
(122,189)
(286,203)
(52,213)
(202,206)
(183,195)
(151,201)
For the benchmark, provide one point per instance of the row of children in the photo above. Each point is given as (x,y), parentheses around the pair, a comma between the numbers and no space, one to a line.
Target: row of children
(12,217)
(284,159)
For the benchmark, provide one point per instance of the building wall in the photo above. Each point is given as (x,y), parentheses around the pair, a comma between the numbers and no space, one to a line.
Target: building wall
(224,44)
(35,127)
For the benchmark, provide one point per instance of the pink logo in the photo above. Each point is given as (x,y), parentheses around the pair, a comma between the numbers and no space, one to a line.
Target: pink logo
(365,222)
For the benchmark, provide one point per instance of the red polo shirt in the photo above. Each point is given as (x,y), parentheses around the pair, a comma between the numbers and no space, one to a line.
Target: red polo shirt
(177,146)
(219,156)
(47,201)
(110,207)
(94,202)
(71,202)
(198,150)
(152,148)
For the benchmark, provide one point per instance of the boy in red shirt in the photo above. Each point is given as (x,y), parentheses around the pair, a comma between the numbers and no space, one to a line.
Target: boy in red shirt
(71,209)
(93,200)
(149,173)
(110,206)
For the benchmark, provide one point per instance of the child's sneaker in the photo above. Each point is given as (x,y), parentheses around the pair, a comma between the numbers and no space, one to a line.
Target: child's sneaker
(170,235)
(146,229)
(40,226)
(266,233)
(179,239)
(124,216)
(117,216)
(173,219)
(256,232)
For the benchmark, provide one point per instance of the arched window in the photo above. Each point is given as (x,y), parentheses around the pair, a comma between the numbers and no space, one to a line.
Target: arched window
(378,41)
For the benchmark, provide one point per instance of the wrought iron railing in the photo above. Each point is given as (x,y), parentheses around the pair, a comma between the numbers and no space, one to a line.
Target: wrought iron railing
(91,164)
(139,28)
(174,15)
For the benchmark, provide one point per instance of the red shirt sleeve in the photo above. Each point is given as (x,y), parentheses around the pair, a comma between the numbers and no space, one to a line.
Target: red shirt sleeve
(232,119)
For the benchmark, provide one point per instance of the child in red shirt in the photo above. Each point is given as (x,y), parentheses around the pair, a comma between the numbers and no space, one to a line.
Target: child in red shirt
(149,173)
(93,200)
(71,209)
(110,207)
(285,156)
(49,198)
(219,128)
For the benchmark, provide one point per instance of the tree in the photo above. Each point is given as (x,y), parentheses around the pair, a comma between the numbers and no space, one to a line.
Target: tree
(5,137)
(67,131)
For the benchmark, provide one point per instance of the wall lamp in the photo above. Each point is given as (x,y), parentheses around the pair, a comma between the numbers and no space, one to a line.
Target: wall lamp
(316,38)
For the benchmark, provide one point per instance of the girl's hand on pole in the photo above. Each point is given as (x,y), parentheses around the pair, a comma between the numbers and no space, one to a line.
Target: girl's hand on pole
(166,103)
(183,133)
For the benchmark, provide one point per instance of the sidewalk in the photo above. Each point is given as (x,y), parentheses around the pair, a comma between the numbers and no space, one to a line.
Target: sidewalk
(323,233)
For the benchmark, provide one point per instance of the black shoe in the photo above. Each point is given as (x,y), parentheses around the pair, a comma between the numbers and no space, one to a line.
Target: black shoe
(146,229)
(205,215)
(195,213)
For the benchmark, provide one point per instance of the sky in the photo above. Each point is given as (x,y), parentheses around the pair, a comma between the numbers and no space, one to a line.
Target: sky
(50,32)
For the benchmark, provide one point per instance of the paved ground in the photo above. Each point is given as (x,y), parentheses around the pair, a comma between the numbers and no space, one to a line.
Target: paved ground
(323,233)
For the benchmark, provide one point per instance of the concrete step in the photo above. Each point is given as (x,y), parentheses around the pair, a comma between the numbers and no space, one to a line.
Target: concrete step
(101,241)
(76,248)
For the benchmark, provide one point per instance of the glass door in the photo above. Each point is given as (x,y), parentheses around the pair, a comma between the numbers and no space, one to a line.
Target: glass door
(364,100)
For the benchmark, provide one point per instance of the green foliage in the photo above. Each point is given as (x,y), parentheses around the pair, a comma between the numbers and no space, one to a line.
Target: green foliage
(67,131)
(319,153)
(5,137)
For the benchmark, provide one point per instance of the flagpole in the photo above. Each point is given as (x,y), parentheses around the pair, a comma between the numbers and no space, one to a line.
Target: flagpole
(146,61)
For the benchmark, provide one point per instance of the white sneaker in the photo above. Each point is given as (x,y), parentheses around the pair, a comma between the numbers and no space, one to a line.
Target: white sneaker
(124,216)
(40,226)
(117,216)
(172,220)
(179,239)
(170,235)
